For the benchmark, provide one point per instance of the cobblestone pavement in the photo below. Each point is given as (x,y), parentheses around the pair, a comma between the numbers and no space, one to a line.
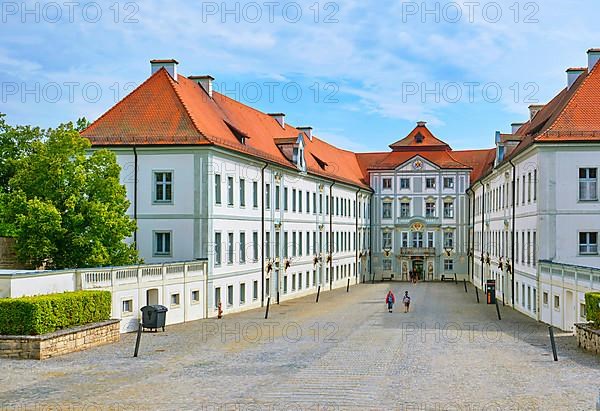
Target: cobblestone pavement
(346,352)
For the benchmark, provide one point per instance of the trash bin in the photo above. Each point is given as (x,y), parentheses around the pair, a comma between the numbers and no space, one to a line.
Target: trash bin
(154,316)
(490,290)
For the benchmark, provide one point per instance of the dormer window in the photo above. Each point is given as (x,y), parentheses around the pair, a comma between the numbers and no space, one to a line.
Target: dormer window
(299,157)
(239,134)
(293,149)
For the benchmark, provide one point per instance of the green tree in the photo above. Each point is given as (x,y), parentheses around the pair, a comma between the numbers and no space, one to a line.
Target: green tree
(67,205)
(15,143)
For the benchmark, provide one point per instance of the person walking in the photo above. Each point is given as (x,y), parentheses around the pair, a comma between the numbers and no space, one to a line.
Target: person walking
(406,301)
(390,300)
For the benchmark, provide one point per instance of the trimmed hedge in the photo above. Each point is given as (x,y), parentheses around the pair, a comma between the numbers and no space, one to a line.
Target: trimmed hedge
(44,314)
(592,307)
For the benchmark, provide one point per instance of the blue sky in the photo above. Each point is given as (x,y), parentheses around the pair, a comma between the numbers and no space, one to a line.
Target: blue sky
(360,73)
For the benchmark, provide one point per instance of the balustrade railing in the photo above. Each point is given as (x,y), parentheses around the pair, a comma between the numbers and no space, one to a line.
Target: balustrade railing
(122,276)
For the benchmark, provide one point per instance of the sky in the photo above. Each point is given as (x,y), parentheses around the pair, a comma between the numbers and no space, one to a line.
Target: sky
(361,73)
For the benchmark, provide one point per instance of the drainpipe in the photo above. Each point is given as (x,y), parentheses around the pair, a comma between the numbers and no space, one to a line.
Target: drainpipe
(135,190)
(469,273)
(371,239)
(514,206)
(356,236)
(482,231)
(262,225)
(331,235)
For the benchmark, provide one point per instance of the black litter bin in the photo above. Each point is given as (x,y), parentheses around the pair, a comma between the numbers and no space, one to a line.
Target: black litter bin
(154,316)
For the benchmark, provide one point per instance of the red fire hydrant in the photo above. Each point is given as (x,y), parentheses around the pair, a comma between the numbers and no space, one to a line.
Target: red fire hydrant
(219,311)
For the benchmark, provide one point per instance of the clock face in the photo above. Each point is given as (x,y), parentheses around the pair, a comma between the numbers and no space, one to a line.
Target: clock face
(418,164)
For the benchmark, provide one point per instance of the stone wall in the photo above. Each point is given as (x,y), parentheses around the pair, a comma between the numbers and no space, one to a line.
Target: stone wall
(41,347)
(8,257)
(588,338)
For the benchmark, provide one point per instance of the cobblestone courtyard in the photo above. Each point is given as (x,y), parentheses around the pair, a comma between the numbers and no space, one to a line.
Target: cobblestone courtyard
(346,352)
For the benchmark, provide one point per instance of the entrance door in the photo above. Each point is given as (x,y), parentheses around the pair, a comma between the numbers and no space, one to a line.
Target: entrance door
(417,267)
(152,296)
(569,311)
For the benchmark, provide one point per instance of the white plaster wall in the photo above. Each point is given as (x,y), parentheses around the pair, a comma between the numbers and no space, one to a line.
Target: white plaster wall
(26,285)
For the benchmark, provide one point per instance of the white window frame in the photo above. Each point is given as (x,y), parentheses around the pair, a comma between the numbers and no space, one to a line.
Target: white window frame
(404,183)
(449,209)
(404,206)
(175,300)
(164,183)
(589,182)
(386,206)
(591,248)
(433,181)
(218,189)
(386,183)
(155,252)
(230,191)
(451,184)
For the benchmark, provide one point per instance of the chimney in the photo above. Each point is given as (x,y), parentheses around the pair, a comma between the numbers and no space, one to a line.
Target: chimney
(206,82)
(516,126)
(593,57)
(280,117)
(573,74)
(307,131)
(534,109)
(170,65)
(421,123)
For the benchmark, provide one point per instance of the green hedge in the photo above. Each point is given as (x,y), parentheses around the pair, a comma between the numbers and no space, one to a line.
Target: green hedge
(592,307)
(47,313)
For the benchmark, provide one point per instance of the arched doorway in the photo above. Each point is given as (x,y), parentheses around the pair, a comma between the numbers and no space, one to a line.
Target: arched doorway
(417,267)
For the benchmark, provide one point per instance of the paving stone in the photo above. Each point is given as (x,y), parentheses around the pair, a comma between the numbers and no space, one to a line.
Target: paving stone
(346,352)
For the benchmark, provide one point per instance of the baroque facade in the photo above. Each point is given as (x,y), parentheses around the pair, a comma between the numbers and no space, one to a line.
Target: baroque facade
(278,212)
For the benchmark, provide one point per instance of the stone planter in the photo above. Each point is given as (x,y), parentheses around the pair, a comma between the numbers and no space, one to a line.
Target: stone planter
(41,347)
(588,338)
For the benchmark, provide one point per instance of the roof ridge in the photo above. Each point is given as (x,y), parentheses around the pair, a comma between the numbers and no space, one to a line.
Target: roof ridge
(113,108)
(187,110)
(449,152)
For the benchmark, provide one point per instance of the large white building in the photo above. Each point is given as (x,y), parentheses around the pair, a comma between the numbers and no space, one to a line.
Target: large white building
(420,222)
(277,212)
(535,212)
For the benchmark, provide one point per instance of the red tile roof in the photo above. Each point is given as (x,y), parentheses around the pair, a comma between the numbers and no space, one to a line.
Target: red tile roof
(573,115)
(481,161)
(420,138)
(431,149)
(162,111)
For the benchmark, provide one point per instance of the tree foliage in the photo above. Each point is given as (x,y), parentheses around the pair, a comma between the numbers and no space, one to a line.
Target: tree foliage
(67,206)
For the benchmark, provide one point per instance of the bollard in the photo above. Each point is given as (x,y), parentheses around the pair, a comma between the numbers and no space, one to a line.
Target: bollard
(552,342)
(277,297)
(465,283)
(503,298)
(455,279)
(477,294)
(498,310)
(137,340)
(318,293)
(267,311)
(348,286)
